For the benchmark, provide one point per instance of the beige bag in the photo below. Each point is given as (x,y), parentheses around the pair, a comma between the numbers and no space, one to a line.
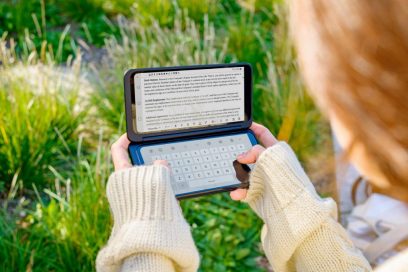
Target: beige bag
(379,227)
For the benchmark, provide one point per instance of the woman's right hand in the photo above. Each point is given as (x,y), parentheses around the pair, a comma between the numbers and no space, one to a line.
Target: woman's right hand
(266,138)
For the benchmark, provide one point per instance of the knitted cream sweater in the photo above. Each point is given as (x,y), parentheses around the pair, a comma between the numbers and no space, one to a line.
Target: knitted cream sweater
(300,231)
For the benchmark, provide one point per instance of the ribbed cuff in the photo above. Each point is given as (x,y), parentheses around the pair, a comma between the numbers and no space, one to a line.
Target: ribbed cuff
(142,193)
(151,261)
(279,171)
(283,196)
(147,220)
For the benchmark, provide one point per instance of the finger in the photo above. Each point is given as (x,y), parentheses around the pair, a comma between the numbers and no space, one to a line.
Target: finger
(119,152)
(161,162)
(123,141)
(238,194)
(251,156)
(264,136)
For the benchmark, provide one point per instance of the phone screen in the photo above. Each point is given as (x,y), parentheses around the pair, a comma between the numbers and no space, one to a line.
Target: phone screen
(184,99)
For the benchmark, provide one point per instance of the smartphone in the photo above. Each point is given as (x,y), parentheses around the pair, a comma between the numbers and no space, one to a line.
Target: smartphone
(197,118)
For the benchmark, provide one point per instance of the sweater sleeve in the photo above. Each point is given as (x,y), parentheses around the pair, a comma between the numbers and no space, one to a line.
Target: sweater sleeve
(300,232)
(149,231)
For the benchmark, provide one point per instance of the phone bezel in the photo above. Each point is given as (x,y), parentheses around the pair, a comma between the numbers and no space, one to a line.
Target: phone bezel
(157,136)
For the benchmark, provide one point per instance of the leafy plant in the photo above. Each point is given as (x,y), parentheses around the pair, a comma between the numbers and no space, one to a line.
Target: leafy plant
(226,233)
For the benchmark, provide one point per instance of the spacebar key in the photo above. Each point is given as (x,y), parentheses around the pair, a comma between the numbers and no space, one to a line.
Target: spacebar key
(213,180)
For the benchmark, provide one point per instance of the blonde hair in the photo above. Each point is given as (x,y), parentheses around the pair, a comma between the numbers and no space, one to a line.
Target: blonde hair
(354,58)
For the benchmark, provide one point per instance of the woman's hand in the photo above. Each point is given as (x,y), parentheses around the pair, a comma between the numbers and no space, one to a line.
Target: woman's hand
(266,139)
(120,157)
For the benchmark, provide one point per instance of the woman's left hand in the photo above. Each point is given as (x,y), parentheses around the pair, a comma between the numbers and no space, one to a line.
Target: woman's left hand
(120,154)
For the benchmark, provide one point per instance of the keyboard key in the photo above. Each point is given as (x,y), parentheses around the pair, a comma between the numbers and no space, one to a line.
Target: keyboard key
(214,150)
(176,170)
(217,172)
(206,158)
(195,153)
(215,165)
(167,157)
(231,148)
(227,171)
(225,163)
(212,180)
(198,160)
(155,158)
(185,154)
(176,155)
(223,149)
(208,173)
(205,166)
(204,151)
(189,176)
(199,175)
(179,178)
(188,161)
(178,163)
(216,157)
(186,169)
(225,156)
(196,167)
(240,147)
(235,154)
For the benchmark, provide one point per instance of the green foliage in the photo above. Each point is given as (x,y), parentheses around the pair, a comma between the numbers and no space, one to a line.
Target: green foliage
(38,123)
(226,232)
(92,20)
(67,226)
(49,19)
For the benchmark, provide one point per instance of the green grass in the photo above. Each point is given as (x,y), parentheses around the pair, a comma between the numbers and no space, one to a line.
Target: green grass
(38,123)
(68,224)
(92,21)
(59,117)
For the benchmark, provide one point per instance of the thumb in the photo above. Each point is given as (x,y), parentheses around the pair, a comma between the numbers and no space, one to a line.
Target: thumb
(161,162)
(252,155)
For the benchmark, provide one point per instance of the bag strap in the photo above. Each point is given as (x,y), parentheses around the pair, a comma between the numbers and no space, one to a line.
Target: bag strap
(385,242)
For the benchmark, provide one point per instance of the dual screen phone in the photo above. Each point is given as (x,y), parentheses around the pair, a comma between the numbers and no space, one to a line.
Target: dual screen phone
(197,118)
